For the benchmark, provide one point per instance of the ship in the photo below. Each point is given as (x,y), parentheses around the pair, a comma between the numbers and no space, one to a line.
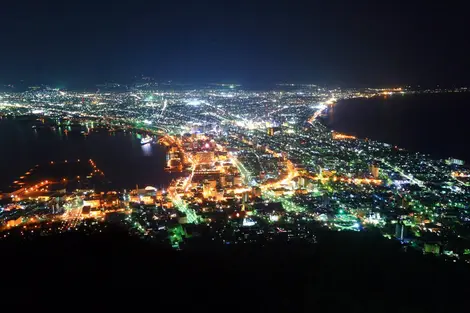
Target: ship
(146,140)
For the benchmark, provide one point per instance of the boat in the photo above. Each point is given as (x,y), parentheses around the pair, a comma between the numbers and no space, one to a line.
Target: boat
(146,140)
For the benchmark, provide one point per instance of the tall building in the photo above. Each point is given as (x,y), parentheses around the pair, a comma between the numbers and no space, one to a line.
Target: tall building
(246,197)
(400,231)
(325,200)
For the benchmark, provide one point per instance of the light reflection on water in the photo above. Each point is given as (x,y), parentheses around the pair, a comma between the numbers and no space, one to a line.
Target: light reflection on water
(147,149)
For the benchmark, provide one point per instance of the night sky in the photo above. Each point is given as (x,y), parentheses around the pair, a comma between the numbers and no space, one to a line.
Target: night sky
(340,42)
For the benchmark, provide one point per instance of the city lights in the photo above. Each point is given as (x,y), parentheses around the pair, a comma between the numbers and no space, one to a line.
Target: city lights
(257,161)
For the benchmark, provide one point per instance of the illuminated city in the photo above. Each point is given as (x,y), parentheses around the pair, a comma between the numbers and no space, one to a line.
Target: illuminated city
(251,166)
(248,156)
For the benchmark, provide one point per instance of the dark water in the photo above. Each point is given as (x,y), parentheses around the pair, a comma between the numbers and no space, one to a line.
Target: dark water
(120,156)
(438,124)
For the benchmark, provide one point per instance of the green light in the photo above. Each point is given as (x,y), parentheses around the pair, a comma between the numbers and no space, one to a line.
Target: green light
(191,215)
(177,235)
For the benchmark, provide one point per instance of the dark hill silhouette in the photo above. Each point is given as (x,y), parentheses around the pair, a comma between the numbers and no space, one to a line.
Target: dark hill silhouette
(344,272)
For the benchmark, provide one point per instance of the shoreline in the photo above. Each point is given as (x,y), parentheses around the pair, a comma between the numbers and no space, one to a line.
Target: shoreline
(403,141)
(18,136)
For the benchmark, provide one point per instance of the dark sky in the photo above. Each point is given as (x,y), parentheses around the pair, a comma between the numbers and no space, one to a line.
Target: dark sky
(347,42)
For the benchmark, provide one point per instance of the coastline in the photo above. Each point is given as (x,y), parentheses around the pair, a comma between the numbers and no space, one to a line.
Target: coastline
(398,121)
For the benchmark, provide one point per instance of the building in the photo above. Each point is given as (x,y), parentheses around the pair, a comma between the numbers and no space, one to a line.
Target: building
(374,169)
(237,180)
(86,210)
(14,223)
(455,161)
(246,197)
(209,188)
(433,248)
(222,180)
(145,196)
(220,195)
(205,157)
(222,155)
(400,231)
(256,191)
(92,202)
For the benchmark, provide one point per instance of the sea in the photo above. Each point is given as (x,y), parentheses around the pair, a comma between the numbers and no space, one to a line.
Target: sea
(436,124)
(124,161)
